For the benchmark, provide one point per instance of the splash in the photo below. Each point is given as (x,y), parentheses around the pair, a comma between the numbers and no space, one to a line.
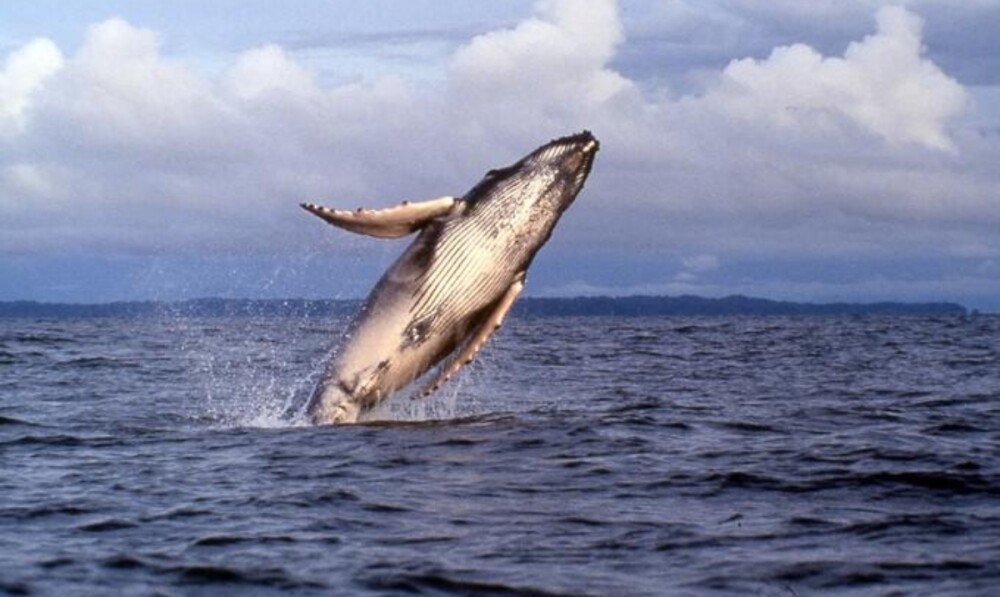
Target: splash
(247,369)
(270,391)
(259,371)
(453,402)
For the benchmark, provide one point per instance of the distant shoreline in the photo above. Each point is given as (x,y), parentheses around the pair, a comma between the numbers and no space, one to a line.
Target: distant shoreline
(686,305)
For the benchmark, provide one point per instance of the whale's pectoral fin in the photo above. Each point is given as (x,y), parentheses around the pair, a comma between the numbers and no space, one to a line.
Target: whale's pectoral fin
(490,324)
(391,222)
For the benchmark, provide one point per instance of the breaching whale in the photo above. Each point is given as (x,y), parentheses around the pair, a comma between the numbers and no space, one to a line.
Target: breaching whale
(451,288)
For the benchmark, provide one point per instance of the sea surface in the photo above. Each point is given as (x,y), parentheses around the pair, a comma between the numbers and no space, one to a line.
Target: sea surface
(577,456)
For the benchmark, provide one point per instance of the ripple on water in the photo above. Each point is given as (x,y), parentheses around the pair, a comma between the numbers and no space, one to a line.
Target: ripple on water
(644,456)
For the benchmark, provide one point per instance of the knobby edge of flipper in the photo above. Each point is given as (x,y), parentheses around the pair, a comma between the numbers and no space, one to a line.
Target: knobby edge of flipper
(477,339)
(391,222)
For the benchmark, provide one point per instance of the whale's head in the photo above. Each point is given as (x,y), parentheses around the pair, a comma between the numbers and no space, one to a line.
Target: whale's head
(566,162)
(542,184)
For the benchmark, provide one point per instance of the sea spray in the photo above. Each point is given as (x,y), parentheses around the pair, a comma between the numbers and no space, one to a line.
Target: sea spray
(252,377)
(249,374)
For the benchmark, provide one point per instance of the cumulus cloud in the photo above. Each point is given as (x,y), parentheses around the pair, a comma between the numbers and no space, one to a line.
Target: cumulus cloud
(28,180)
(269,70)
(795,149)
(882,84)
(559,55)
(694,266)
(119,91)
(700,263)
(549,73)
(24,72)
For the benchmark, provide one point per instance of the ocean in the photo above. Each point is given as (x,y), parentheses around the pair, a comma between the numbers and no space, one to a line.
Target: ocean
(168,455)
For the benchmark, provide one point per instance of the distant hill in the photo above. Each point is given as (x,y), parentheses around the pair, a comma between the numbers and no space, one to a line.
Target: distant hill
(548,307)
(730,305)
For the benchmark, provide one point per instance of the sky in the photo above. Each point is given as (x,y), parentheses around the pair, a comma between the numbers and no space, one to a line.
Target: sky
(832,150)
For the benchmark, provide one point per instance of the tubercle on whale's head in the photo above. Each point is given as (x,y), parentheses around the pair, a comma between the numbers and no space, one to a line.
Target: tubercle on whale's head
(572,157)
(584,141)
(560,167)
(573,154)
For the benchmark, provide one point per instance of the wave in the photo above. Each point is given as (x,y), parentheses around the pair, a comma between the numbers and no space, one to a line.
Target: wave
(202,574)
(98,363)
(961,483)
(441,583)
(6,420)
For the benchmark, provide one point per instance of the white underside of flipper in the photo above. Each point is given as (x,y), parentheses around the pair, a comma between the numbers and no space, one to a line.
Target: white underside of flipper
(391,222)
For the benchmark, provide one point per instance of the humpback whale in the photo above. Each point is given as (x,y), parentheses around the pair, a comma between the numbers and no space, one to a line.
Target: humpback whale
(451,288)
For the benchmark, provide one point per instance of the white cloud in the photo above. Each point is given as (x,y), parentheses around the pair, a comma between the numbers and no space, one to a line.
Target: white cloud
(695,266)
(269,70)
(30,180)
(701,263)
(548,70)
(24,72)
(119,91)
(882,84)
(798,152)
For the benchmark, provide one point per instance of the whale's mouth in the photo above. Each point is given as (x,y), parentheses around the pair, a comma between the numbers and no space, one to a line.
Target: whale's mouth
(584,138)
(574,155)
(583,142)
(581,160)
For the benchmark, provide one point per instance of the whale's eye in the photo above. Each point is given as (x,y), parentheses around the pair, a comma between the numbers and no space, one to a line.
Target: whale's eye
(498,173)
